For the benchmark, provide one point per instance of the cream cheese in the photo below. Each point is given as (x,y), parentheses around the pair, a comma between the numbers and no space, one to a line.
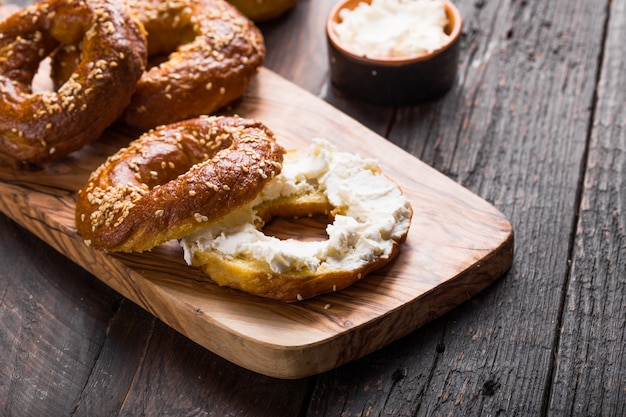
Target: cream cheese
(393,28)
(376,214)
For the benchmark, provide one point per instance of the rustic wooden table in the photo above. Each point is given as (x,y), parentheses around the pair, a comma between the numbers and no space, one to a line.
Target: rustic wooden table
(535,124)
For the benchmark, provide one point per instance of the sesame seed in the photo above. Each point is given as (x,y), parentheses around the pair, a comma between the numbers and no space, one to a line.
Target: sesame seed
(200,218)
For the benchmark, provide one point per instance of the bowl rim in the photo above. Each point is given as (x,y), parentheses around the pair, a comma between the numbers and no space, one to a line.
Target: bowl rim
(454,16)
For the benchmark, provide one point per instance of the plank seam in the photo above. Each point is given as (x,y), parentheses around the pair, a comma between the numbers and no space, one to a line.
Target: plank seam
(576,219)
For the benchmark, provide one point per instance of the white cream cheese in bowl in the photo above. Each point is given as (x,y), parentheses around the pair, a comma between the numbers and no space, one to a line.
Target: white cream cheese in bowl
(393,52)
(393,28)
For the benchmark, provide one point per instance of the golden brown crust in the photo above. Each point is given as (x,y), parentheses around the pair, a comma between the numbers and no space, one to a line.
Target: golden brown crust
(46,126)
(219,53)
(258,279)
(173,180)
(205,53)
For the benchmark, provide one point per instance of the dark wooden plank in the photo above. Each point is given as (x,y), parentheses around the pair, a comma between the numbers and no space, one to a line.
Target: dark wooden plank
(147,368)
(389,382)
(516,135)
(122,355)
(54,323)
(589,377)
(183,378)
(514,130)
(296,45)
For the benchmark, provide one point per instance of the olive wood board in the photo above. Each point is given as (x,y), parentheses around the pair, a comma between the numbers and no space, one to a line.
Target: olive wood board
(458,244)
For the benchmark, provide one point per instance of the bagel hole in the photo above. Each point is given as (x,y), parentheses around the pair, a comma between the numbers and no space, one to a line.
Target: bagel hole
(307,229)
(42,82)
(162,43)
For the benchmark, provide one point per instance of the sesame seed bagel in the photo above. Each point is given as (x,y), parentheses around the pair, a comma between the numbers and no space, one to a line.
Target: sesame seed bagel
(45,126)
(205,53)
(175,179)
(370,219)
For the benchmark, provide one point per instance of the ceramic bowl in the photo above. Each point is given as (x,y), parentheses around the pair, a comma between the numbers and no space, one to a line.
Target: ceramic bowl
(394,80)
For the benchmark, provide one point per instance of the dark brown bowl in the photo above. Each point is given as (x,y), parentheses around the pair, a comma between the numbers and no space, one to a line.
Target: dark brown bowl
(394,80)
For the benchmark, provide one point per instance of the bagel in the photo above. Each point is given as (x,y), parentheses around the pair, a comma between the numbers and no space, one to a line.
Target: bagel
(370,219)
(205,53)
(45,126)
(173,180)
(263,10)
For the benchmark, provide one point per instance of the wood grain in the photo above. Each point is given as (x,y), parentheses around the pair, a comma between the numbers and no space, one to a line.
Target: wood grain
(514,130)
(458,244)
(589,370)
(535,126)
(53,325)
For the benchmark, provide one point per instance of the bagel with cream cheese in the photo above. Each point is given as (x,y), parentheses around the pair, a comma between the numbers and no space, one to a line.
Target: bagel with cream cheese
(370,219)
(214,182)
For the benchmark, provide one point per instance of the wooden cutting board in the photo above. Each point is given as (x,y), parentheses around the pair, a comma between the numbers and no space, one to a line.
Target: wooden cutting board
(458,244)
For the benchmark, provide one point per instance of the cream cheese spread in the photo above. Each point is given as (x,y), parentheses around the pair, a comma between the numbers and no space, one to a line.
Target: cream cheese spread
(374,214)
(393,28)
